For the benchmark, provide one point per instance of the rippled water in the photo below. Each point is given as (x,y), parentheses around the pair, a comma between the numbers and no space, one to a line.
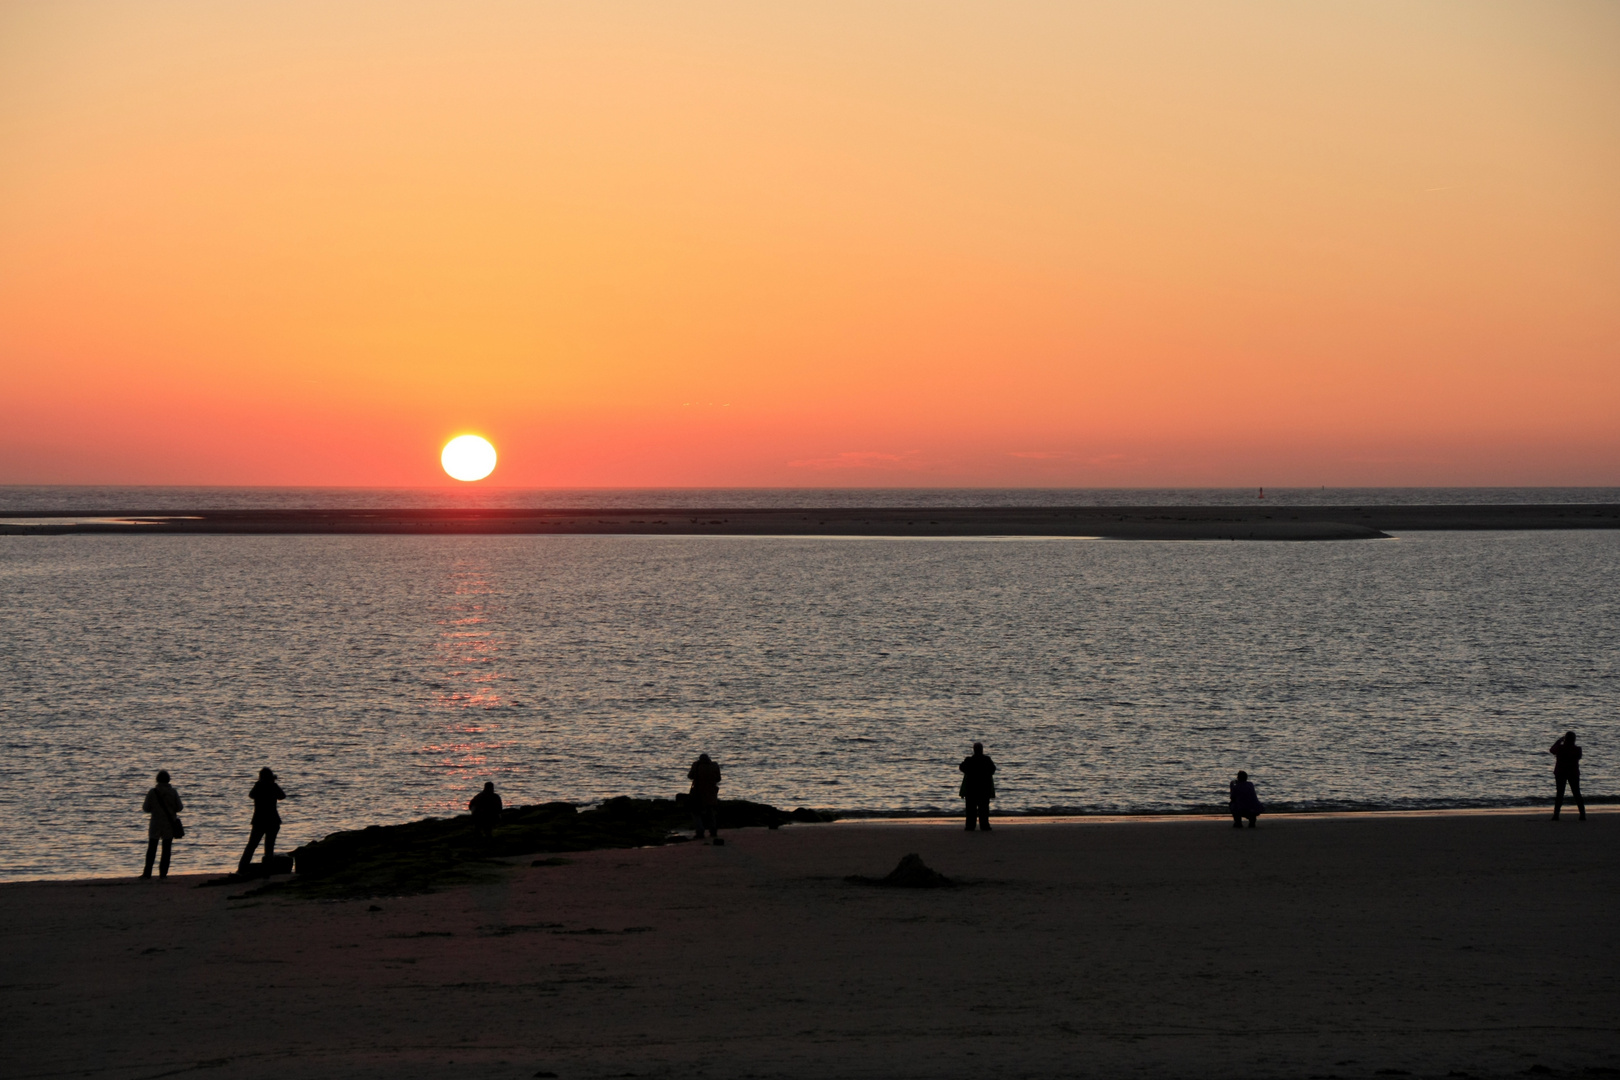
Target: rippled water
(386,677)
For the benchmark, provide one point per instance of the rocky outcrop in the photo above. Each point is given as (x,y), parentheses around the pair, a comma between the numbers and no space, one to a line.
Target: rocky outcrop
(420,856)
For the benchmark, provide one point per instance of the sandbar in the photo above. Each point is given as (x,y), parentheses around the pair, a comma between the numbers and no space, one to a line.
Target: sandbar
(1259,522)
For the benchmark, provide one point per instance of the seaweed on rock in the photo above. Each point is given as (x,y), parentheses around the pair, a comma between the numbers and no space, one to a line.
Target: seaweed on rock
(421,856)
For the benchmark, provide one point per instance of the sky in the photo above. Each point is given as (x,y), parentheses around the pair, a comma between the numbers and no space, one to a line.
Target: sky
(1007,243)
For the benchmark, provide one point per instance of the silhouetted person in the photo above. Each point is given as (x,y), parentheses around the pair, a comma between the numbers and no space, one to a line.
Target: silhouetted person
(1567,771)
(705,795)
(1244,802)
(163,803)
(486,811)
(265,793)
(978,786)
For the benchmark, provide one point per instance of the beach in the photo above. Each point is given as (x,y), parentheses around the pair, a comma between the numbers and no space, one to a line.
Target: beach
(1350,946)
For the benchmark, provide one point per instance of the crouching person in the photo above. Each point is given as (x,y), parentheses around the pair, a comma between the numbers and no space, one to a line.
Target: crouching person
(1244,802)
(486,811)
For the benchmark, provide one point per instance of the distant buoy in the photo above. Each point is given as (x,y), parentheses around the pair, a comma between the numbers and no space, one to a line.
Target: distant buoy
(1262,493)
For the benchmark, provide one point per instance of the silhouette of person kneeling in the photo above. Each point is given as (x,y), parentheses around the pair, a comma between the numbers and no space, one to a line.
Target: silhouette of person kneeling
(705,795)
(1567,771)
(978,786)
(163,803)
(486,809)
(1244,802)
(266,818)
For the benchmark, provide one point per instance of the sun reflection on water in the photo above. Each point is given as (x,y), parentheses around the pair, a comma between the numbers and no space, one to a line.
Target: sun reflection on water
(466,654)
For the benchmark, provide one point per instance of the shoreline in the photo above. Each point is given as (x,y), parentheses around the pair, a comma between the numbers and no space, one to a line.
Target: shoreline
(1300,523)
(1285,815)
(842,821)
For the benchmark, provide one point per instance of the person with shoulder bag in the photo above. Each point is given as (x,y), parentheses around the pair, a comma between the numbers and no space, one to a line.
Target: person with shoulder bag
(164,805)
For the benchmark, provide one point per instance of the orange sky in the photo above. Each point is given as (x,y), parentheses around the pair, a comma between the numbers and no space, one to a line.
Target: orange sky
(1001,243)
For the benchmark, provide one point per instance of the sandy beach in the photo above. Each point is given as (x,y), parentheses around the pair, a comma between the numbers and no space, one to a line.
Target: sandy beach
(1480,944)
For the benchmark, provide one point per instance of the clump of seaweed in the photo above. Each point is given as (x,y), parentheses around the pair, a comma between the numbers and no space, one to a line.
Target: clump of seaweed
(434,853)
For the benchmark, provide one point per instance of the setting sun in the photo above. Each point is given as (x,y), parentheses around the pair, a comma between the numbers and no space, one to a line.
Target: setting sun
(1032,244)
(468,457)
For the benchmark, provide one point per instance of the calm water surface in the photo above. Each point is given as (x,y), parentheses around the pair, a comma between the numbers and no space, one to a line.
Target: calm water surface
(387,677)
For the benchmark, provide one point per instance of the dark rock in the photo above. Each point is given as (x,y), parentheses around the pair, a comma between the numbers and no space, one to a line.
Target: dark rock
(274,865)
(419,856)
(912,873)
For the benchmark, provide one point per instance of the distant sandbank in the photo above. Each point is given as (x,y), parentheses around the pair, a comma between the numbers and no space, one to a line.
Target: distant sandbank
(1115,523)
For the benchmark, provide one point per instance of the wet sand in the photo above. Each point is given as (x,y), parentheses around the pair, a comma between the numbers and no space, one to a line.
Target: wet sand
(1259,522)
(1312,946)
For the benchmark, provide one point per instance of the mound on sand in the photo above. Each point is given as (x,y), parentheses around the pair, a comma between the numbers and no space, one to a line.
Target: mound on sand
(912,873)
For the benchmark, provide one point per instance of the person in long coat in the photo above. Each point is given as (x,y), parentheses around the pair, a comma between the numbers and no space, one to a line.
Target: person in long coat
(1244,802)
(164,805)
(978,787)
(705,795)
(266,818)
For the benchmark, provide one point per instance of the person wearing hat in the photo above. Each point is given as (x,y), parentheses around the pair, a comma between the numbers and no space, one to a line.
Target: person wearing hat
(266,818)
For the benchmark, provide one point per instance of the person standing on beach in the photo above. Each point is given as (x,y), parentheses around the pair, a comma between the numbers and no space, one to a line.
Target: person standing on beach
(486,811)
(164,805)
(266,818)
(1245,803)
(978,787)
(705,795)
(1567,771)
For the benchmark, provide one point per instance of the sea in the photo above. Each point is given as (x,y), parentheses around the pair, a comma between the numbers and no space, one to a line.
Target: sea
(386,678)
